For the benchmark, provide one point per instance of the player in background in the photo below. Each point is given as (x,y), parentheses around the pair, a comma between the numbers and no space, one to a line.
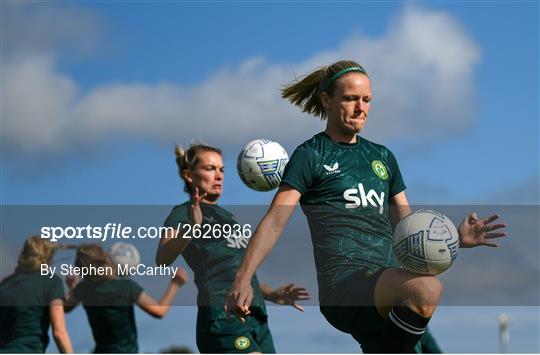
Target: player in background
(352,193)
(214,261)
(29,302)
(108,301)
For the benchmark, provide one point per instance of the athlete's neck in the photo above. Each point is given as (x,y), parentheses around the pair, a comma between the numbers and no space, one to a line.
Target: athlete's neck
(340,137)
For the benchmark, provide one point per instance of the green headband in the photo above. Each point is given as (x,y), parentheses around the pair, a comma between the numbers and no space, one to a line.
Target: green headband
(341,73)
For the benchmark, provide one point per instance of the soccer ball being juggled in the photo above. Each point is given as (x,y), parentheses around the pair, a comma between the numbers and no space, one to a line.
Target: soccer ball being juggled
(426,242)
(260,164)
(124,254)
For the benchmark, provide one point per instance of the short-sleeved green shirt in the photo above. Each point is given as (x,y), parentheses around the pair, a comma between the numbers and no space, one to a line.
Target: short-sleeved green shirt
(345,192)
(109,307)
(214,261)
(24,311)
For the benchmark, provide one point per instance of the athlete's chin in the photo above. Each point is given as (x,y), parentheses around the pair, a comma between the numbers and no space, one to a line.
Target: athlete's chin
(356,125)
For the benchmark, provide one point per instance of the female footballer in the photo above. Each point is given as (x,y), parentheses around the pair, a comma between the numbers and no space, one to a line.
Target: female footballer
(108,301)
(215,260)
(352,193)
(30,301)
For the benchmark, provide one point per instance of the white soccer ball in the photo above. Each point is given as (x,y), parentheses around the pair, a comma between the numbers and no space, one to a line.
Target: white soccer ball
(124,254)
(426,242)
(261,163)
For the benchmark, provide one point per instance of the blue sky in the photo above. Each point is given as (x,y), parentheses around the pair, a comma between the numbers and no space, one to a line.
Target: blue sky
(470,97)
(94,95)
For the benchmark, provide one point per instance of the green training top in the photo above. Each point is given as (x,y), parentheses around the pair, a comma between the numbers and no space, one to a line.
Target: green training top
(24,311)
(109,307)
(345,191)
(214,260)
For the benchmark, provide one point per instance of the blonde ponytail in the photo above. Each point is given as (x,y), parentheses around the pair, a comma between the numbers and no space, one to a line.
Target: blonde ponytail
(36,251)
(305,92)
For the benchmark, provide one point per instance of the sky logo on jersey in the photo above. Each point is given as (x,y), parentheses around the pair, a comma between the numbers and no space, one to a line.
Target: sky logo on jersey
(237,241)
(334,169)
(358,197)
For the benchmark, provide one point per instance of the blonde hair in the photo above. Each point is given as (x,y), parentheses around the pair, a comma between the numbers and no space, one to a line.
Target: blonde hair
(305,92)
(187,160)
(36,251)
(93,254)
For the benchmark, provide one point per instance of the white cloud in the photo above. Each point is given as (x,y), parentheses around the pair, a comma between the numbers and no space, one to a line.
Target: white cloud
(421,70)
(35,110)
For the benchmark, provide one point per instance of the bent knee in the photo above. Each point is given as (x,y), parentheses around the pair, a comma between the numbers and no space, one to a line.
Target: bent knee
(425,295)
(433,285)
(427,289)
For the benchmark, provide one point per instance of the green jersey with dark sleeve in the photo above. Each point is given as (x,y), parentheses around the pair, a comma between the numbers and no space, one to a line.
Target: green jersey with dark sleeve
(109,307)
(345,191)
(24,311)
(214,261)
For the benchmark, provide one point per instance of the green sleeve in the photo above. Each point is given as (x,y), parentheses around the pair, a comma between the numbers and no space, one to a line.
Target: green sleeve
(396,183)
(134,291)
(179,214)
(299,170)
(56,289)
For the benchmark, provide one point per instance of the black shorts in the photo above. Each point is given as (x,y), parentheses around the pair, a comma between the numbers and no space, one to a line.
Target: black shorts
(351,308)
